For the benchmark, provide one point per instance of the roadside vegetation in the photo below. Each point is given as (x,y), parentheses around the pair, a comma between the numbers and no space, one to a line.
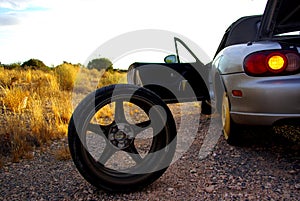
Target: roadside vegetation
(36,103)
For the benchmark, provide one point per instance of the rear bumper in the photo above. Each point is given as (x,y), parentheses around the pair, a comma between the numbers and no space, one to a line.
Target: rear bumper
(260,118)
(265,100)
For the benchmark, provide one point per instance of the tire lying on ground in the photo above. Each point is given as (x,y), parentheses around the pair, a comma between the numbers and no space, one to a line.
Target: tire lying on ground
(127,150)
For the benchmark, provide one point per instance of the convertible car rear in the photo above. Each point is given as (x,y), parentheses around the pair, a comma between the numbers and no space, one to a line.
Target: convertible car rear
(256,71)
(254,78)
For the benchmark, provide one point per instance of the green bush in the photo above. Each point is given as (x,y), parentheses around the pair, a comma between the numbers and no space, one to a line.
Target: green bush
(34,64)
(11,66)
(100,64)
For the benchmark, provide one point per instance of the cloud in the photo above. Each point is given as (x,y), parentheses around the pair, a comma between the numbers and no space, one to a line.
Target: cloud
(15,4)
(6,20)
(13,12)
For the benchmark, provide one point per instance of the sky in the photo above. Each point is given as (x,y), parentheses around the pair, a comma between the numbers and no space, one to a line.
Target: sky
(71,30)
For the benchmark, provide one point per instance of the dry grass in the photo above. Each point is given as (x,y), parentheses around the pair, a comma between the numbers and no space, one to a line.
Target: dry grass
(112,78)
(15,99)
(15,137)
(36,106)
(62,154)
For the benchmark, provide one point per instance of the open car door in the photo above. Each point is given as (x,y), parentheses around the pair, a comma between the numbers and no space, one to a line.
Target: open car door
(182,78)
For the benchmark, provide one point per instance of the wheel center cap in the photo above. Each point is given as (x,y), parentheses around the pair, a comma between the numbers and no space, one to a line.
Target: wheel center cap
(120,135)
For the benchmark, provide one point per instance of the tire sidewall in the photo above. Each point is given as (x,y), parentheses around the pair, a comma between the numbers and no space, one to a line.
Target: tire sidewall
(126,182)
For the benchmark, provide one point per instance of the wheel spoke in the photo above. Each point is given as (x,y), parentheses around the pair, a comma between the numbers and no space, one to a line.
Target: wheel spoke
(140,127)
(107,153)
(133,153)
(119,112)
(99,129)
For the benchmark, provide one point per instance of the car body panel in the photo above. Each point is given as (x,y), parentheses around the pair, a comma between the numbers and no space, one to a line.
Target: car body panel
(233,56)
(270,97)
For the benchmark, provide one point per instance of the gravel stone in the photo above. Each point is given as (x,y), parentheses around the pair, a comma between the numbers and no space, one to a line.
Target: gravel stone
(265,166)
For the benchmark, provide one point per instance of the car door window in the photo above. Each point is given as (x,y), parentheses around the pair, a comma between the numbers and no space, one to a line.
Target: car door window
(184,55)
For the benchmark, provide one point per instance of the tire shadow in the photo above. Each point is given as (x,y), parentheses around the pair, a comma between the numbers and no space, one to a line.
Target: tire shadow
(267,138)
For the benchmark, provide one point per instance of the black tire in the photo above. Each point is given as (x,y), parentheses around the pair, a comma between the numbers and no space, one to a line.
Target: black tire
(121,136)
(206,107)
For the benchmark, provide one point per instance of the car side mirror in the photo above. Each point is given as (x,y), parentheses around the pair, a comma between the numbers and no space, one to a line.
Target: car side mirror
(171,59)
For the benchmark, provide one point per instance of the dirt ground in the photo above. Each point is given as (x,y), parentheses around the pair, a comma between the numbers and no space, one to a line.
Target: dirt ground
(265,166)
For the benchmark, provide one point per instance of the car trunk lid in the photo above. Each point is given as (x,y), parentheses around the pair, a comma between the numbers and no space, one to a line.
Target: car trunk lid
(280,16)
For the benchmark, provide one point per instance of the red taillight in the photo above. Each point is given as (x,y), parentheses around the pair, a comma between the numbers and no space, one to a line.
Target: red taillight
(256,64)
(268,63)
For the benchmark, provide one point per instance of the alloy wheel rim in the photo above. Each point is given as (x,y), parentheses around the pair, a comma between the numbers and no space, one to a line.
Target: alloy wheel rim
(225,117)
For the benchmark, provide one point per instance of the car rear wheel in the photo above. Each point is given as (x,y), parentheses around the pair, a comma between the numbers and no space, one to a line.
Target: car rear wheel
(229,127)
(206,107)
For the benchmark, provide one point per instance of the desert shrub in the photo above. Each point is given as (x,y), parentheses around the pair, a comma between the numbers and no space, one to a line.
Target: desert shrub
(4,79)
(39,121)
(15,99)
(16,139)
(28,79)
(100,64)
(44,84)
(87,81)
(35,64)
(61,111)
(112,77)
(66,74)
(32,100)
(12,65)
(40,104)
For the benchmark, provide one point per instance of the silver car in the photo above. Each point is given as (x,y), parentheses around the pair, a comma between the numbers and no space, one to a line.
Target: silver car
(256,70)
(253,79)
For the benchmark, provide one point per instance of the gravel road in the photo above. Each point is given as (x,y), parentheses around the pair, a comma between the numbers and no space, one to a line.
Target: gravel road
(265,166)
